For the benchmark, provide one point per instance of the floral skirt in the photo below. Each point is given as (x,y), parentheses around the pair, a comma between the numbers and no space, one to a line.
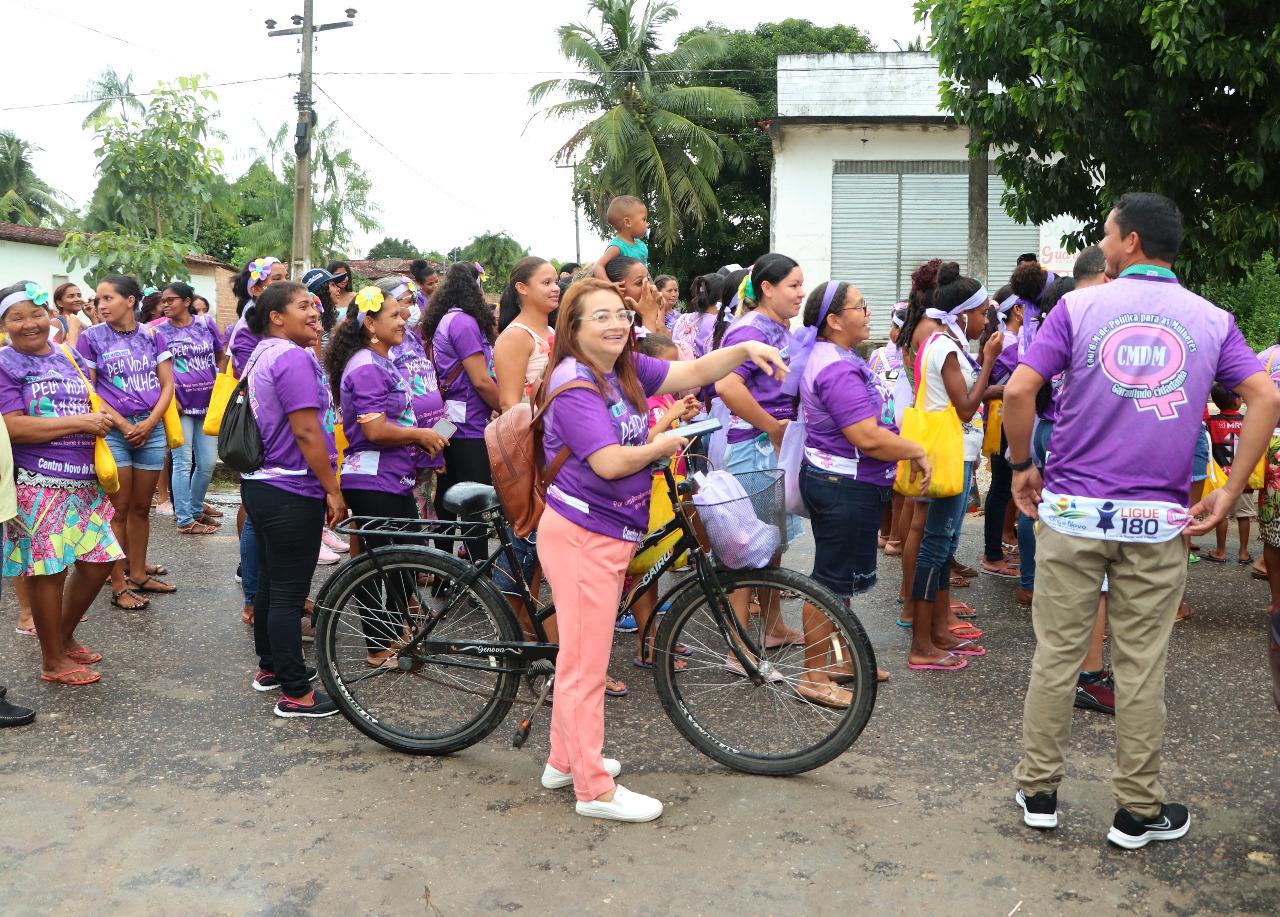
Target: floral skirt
(1269,500)
(59,522)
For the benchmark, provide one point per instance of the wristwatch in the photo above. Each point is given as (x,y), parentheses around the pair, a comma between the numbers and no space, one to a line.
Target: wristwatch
(1020,466)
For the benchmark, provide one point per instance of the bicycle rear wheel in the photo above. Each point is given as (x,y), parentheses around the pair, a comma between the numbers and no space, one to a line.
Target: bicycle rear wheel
(776,728)
(432,707)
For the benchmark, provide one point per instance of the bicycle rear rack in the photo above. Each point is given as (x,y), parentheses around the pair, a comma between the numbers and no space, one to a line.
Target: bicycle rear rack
(404,529)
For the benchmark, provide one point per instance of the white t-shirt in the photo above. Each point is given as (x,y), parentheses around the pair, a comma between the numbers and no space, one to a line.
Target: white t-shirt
(935,398)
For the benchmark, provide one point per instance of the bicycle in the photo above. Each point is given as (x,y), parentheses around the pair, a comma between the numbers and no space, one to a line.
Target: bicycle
(457,644)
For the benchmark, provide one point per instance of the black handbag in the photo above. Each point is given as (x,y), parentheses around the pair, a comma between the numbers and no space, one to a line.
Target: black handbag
(239,439)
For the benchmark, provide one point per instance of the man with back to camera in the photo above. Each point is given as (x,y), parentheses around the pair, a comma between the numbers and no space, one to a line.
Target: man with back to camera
(1144,350)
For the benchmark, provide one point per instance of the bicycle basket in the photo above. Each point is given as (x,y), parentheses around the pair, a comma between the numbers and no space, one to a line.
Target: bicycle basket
(744,515)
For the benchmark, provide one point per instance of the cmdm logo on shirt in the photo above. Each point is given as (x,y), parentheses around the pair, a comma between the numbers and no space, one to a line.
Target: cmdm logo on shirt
(1145,356)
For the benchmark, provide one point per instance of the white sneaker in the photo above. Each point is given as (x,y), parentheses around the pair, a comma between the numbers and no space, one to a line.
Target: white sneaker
(626,806)
(327,557)
(553,779)
(333,542)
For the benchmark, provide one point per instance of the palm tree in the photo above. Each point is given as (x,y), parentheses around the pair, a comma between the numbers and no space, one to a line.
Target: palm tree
(24,197)
(107,89)
(646,135)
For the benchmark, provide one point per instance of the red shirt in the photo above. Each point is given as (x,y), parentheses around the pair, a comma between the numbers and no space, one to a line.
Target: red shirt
(1224,433)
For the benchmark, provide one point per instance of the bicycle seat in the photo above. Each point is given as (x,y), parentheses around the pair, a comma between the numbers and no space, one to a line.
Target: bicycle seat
(470,498)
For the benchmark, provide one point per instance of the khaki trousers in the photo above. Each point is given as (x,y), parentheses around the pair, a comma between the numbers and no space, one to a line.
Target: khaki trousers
(1147,582)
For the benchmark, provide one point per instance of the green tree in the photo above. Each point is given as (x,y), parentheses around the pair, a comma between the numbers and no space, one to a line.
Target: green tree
(25,198)
(393,248)
(647,132)
(109,89)
(153,261)
(748,63)
(497,253)
(1254,299)
(1102,98)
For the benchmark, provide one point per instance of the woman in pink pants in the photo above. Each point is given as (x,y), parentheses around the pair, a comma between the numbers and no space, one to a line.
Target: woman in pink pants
(597,509)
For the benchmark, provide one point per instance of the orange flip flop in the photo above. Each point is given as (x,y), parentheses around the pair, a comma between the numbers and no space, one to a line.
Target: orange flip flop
(69,679)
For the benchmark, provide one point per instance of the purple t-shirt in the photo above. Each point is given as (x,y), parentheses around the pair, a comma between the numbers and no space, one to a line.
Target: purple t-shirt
(371,384)
(47,386)
(458,337)
(428,407)
(125,365)
(1140,355)
(696,331)
(287,378)
(1270,360)
(195,349)
(767,391)
(241,342)
(838,390)
(587,422)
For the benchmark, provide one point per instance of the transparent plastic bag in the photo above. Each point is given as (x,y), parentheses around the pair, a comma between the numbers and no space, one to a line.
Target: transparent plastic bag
(744,516)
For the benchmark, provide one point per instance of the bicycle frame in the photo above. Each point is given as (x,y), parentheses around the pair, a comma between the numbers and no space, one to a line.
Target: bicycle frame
(521,653)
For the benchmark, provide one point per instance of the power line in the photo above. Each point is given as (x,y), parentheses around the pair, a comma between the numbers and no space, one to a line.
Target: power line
(140,95)
(396,156)
(81,25)
(581,73)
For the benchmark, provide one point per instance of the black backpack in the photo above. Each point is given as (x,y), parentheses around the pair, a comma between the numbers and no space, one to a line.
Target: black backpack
(239,439)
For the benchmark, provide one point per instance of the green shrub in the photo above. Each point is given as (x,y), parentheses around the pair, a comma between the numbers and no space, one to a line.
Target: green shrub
(1254,300)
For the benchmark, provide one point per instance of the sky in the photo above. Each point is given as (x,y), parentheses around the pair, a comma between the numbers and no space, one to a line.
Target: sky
(451,143)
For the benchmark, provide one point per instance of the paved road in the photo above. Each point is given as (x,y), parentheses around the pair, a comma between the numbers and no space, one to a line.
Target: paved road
(169,787)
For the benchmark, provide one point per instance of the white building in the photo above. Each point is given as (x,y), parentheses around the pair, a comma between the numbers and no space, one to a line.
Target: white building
(870,178)
(31,253)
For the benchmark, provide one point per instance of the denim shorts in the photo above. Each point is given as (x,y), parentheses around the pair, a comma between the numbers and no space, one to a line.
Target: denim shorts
(846,520)
(526,552)
(1200,466)
(147,457)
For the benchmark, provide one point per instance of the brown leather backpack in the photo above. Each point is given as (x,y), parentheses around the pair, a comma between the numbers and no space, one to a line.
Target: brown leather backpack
(514,444)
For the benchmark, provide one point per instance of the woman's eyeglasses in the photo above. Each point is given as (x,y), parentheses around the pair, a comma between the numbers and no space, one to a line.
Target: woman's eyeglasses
(604,315)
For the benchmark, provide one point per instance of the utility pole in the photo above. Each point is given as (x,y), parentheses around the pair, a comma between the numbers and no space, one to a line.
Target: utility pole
(300,257)
(577,236)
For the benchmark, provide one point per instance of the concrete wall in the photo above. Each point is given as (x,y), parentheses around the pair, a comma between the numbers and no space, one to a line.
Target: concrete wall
(883,85)
(803,160)
(41,263)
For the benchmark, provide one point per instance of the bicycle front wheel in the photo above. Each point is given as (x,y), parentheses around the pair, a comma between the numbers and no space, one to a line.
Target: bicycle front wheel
(433,706)
(797,719)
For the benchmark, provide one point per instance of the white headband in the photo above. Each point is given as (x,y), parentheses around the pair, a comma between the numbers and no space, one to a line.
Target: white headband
(400,291)
(1003,310)
(12,300)
(949,318)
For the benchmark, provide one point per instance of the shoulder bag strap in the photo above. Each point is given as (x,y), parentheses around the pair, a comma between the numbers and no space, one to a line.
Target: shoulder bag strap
(549,473)
(76,366)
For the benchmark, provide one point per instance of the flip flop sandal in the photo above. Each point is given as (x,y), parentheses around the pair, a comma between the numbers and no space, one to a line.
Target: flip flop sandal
(115,600)
(85,656)
(966,572)
(210,510)
(196,528)
(968,648)
(157,570)
(639,663)
(958,582)
(1004,571)
(1008,547)
(893,549)
(777,643)
(1216,560)
(25,631)
(145,587)
(1245,561)
(938,666)
(963,612)
(69,679)
(973,634)
(905,624)
(1257,575)
(1193,559)
(614,692)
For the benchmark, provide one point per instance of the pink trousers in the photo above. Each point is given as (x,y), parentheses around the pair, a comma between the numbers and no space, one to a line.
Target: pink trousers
(585,572)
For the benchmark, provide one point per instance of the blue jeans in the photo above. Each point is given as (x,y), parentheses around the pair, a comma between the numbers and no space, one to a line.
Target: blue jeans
(846,519)
(998,497)
(941,538)
(248,559)
(193,463)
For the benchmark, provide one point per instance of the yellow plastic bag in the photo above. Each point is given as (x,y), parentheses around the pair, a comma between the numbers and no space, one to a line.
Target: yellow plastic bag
(173,424)
(1215,479)
(940,433)
(104,463)
(1258,477)
(340,440)
(995,426)
(660,513)
(223,386)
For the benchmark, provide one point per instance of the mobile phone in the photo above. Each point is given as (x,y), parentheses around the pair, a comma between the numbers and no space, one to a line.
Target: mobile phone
(697,427)
(445,427)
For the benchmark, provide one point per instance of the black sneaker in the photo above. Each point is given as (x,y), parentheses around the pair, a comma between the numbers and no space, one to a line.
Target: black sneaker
(13,715)
(288,707)
(1133,831)
(265,681)
(1040,810)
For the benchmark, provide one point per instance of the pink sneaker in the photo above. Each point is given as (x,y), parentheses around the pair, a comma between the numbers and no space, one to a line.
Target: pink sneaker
(333,542)
(327,557)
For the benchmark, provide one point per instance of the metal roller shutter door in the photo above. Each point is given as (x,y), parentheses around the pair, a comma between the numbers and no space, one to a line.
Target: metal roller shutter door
(864,241)
(935,222)
(1006,240)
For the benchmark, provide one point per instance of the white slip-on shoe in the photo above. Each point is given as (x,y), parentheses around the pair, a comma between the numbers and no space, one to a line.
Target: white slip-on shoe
(553,779)
(625,806)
